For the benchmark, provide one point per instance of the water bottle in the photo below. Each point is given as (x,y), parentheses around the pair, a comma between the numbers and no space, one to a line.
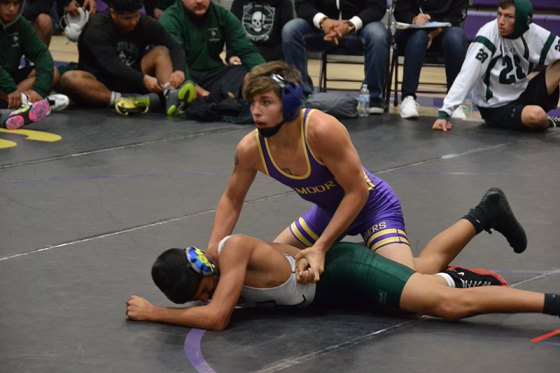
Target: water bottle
(363,102)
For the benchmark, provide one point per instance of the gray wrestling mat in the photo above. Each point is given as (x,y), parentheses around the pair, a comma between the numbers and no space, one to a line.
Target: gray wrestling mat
(88,205)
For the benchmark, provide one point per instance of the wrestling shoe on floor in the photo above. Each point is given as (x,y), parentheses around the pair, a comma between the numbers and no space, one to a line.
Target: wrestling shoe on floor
(474,277)
(58,102)
(132,105)
(498,215)
(28,113)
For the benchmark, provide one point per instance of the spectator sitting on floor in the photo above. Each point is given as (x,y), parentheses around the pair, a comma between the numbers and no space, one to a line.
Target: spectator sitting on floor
(20,86)
(351,24)
(415,42)
(498,69)
(203,28)
(124,53)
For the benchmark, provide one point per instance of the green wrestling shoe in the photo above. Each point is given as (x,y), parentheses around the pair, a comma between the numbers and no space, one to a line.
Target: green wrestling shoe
(134,105)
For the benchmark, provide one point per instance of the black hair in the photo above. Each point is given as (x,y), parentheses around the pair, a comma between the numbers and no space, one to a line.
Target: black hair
(174,276)
(125,6)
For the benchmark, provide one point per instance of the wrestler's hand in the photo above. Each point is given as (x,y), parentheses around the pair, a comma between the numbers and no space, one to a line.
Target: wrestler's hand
(442,125)
(138,308)
(304,273)
(316,258)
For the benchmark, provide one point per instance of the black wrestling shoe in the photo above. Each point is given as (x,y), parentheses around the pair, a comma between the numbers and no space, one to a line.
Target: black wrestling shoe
(474,277)
(553,122)
(497,214)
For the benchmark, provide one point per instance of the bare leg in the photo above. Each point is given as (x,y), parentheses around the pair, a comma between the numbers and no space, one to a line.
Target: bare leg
(533,116)
(43,25)
(82,87)
(422,295)
(288,238)
(444,247)
(157,62)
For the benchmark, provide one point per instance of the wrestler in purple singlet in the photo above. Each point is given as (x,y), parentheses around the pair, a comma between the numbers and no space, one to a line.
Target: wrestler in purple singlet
(379,223)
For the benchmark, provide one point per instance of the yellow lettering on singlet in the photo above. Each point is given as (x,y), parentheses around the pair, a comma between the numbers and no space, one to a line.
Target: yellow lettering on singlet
(317,188)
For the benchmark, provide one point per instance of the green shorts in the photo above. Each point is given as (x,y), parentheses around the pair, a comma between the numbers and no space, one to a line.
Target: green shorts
(356,275)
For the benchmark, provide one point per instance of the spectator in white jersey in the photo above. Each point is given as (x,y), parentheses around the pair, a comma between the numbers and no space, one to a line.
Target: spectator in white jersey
(498,69)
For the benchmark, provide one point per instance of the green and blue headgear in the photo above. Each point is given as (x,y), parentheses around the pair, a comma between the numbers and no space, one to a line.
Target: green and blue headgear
(178,272)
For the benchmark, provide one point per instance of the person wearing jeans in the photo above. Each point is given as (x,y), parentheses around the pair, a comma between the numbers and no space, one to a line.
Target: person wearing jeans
(449,42)
(351,24)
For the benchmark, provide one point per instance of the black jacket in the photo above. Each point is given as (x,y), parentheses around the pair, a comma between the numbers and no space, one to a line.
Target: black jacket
(367,10)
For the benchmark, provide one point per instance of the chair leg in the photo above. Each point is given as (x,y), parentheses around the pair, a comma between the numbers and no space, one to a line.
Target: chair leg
(396,78)
(323,73)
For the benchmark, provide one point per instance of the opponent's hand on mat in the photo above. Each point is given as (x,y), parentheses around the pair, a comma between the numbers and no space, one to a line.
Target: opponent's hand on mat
(138,308)
(316,258)
(442,125)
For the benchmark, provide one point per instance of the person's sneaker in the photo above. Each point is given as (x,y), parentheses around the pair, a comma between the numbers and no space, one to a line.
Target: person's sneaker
(409,108)
(132,105)
(172,103)
(58,102)
(474,277)
(498,215)
(553,122)
(376,107)
(459,113)
(29,113)
(187,92)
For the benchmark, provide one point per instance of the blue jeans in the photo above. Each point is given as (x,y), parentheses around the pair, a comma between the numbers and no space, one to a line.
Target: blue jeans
(450,44)
(373,38)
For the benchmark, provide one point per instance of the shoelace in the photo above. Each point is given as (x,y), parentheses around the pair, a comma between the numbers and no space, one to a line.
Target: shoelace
(474,283)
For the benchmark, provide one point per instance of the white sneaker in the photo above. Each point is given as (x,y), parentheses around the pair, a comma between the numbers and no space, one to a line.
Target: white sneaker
(459,113)
(58,101)
(409,108)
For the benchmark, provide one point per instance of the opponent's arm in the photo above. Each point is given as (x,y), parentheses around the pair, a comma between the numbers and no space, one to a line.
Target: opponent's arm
(212,316)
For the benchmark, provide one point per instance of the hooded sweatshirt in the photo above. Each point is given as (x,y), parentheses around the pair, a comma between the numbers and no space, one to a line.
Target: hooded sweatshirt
(17,39)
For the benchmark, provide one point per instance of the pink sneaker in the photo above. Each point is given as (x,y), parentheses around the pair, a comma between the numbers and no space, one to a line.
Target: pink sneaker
(28,113)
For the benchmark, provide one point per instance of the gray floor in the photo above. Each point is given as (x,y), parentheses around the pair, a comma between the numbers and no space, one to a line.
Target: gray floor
(83,219)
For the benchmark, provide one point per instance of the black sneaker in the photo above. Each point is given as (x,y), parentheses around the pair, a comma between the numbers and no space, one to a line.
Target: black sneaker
(474,277)
(553,122)
(498,215)
(376,107)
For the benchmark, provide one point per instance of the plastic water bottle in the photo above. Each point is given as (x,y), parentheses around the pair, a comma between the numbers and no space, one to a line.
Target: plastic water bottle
(363,102)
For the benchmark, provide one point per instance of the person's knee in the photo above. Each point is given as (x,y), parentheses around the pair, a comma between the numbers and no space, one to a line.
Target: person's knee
(451,306)
(44,22)
(292,28)
(534,117)
(376,33)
